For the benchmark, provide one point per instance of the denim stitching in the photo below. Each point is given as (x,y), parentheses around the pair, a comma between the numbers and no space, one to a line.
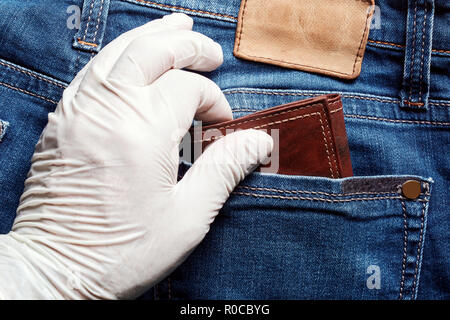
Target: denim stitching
(27,92)
(405,245)
(32,75)
(284,121)
(308,94)
(313,192)
(413,51)
(89,19)
(419,247)
(423,51)
(270,196)
(87,43)
(399,120)
(403,46)
(439,104)
(187,9)
(98,20)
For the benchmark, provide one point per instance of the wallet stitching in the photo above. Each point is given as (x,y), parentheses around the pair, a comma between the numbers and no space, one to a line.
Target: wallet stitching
(261,126)
(333,153)
(241,21)
(326,145)
(255,110)
(272,115)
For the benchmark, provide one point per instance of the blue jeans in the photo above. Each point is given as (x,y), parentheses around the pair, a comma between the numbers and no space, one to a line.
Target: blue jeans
(277,236)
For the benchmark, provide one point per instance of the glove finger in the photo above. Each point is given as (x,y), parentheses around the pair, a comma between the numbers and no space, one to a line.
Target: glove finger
(149,56)
(185,95)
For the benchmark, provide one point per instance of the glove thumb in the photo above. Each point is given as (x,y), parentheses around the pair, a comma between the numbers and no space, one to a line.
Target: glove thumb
(208,183)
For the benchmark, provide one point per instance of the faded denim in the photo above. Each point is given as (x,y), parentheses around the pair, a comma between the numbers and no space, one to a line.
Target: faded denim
(278,237)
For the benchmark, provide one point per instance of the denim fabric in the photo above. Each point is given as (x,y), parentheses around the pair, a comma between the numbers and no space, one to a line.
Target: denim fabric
(277,236)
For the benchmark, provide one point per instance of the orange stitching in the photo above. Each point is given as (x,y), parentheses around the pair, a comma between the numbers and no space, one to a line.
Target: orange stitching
(87,43)
(403,46)
(298,64)
(418,104)
(441,51)
(439,104)
(387,43)
(400,120)
(32,75)
(423,52)
(187,9)
(27,92)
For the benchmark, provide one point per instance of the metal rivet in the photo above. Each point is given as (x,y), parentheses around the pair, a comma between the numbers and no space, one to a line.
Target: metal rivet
(411,189)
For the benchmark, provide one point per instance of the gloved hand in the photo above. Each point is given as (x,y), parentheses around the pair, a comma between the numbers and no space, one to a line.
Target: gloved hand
(102,214)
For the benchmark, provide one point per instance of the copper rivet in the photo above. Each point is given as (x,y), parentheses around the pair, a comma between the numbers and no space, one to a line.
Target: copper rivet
(411,189)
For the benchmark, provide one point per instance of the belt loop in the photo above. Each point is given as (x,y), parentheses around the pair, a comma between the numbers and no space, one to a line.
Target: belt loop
(416,75)
(92,27)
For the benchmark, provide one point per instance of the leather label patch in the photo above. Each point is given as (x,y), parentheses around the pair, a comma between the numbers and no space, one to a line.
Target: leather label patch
(326,36)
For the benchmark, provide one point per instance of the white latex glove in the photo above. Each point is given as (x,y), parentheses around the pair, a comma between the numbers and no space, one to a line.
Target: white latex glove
(102,214)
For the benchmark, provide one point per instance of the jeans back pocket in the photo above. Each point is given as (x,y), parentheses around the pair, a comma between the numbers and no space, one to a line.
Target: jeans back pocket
(297,237)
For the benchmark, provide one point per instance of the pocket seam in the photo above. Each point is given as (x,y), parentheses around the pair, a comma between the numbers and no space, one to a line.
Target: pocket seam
(321,199)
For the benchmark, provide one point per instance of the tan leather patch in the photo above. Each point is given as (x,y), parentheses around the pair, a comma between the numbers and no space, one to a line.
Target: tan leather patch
(323,36)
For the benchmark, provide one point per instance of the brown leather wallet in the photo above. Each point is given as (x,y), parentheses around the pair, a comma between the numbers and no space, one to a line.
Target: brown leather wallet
(309,137)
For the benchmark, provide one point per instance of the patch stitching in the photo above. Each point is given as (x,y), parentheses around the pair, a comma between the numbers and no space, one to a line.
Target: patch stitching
(241,22)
